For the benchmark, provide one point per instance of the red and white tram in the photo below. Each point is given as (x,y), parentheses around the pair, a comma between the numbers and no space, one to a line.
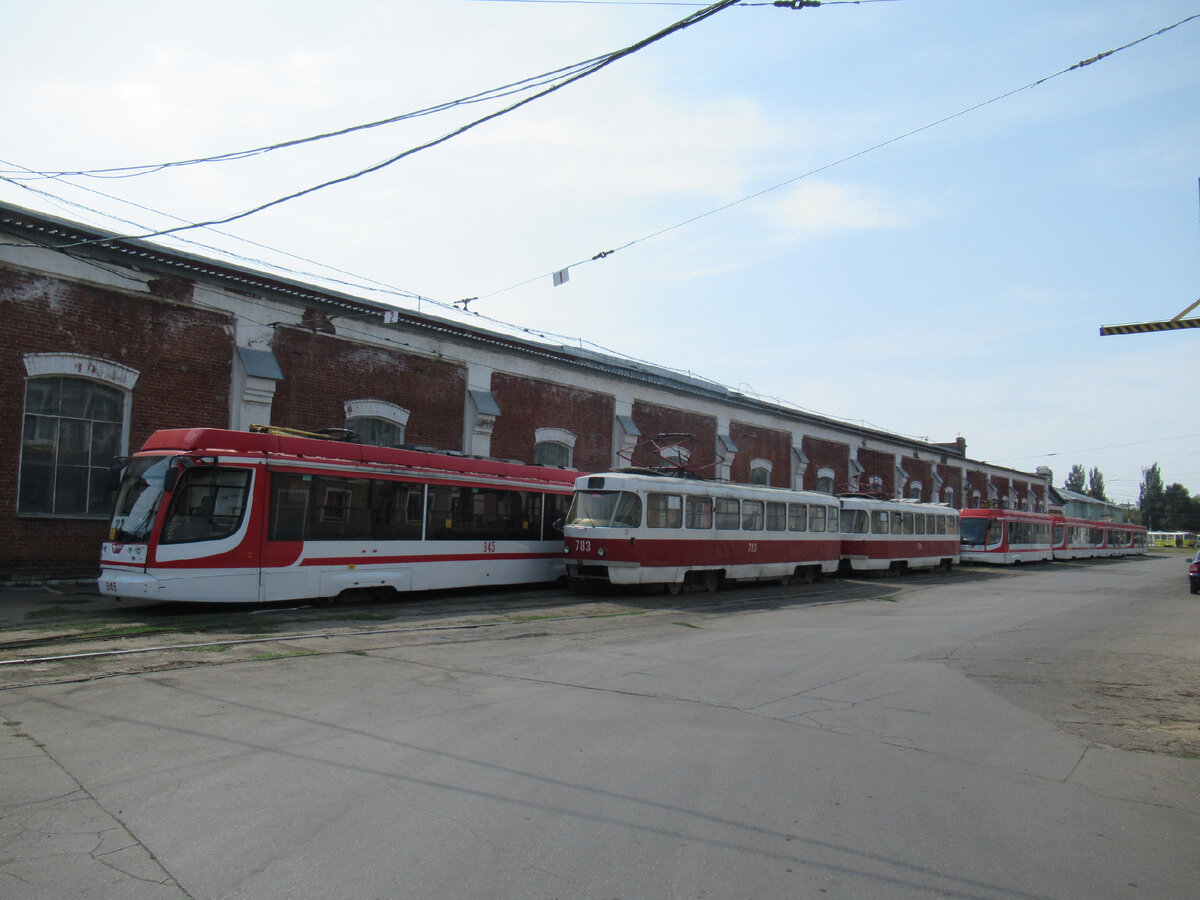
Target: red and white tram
(1005,536)
(643,527)
(208,515)
(897,534)
(1076,538)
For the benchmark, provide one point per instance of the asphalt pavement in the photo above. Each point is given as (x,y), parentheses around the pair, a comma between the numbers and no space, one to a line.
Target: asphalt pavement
(1019,734)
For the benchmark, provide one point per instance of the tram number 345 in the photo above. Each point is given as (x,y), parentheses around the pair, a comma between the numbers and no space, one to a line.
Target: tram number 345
(489,546)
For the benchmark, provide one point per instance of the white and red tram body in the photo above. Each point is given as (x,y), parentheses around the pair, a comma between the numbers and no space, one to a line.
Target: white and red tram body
(1004,536)
(647,528)
(209,515)
(1081,538)
(891,534)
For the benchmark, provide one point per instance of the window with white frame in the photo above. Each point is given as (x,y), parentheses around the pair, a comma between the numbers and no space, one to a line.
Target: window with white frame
(914,490)
(825,480)
(760,471)
(553,447)
(76,421)
(948,497)
(377,422)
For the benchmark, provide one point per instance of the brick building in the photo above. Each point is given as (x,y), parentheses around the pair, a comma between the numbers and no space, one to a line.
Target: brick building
(107,340)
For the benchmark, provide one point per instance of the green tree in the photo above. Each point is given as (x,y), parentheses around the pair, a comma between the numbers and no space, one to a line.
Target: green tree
(1177,509)
(1151,498)
(1076,479)
(1096,485)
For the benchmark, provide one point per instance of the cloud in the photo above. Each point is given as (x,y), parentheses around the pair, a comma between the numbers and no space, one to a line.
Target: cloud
(817,207)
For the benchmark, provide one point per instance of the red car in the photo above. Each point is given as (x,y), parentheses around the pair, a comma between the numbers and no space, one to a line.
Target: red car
(1194,575)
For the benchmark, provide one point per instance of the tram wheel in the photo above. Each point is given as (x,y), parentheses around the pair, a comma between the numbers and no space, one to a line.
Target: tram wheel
(810,574)
(712,580)
(674,587)
(785,580)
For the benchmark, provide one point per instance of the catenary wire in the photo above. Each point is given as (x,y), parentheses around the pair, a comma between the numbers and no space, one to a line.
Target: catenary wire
(604,61)
(604,254)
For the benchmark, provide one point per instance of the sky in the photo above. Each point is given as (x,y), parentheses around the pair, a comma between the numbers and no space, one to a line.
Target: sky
(798,208)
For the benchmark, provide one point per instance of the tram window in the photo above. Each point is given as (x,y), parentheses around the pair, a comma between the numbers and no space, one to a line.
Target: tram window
(289,507)
(466,513)
(776,517)
(879,521)
(728,513)
(752,515)
(797,517)
(897,523)
(995,533)
(208,504)
(605,509)
(919,521)
(340,509)
(831,520)
(816,518)
(664,511)
(855,521)
(555,515)
(699,512)
(1059,534)
(392,506)
(909,526)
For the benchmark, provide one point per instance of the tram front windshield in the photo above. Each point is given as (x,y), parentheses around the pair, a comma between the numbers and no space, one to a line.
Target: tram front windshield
(138,498)
(605,509)
(981,532)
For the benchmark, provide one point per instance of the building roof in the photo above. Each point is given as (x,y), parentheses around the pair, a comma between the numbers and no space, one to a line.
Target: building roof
(79,240)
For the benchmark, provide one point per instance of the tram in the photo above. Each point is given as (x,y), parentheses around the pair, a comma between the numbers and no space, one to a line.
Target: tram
(210,515)
(882,534)
(1005,536)
(641,526)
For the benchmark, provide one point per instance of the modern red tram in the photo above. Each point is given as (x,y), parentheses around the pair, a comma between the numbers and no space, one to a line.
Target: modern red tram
(209,515)
(1003,536)
(645,527)
(882,534)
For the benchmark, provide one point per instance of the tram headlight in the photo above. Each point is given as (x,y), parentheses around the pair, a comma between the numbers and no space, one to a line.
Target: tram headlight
(601,552)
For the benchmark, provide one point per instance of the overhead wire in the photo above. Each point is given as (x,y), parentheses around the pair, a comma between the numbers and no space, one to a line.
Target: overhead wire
(597,65)
(604,254)
(131,171)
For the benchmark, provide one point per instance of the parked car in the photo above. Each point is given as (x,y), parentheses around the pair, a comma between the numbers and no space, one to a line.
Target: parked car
(1194,574)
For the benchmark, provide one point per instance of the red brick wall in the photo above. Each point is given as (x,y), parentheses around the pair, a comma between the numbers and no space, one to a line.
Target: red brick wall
(823,454)
(527,404)
(952,477)
(753,443)
(652,420)
(976,482)
(183,355)
(918,470)
(322,372)
(877,462)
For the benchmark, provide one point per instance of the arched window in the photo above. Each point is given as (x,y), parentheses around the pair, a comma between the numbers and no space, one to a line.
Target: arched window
(553,447)
(76,422)
(825,480)
(760,471)
(676,454)
(875,483)
(377,422)
(948,497)
(914,490)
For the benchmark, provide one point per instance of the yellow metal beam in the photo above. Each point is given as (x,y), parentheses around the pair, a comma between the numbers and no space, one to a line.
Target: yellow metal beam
(1145,327)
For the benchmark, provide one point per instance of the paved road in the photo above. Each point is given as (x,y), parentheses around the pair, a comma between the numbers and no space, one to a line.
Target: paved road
(945,737)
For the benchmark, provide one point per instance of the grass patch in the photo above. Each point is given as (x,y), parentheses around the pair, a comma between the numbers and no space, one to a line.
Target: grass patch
(282,654)
(204,648)
(685,624)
